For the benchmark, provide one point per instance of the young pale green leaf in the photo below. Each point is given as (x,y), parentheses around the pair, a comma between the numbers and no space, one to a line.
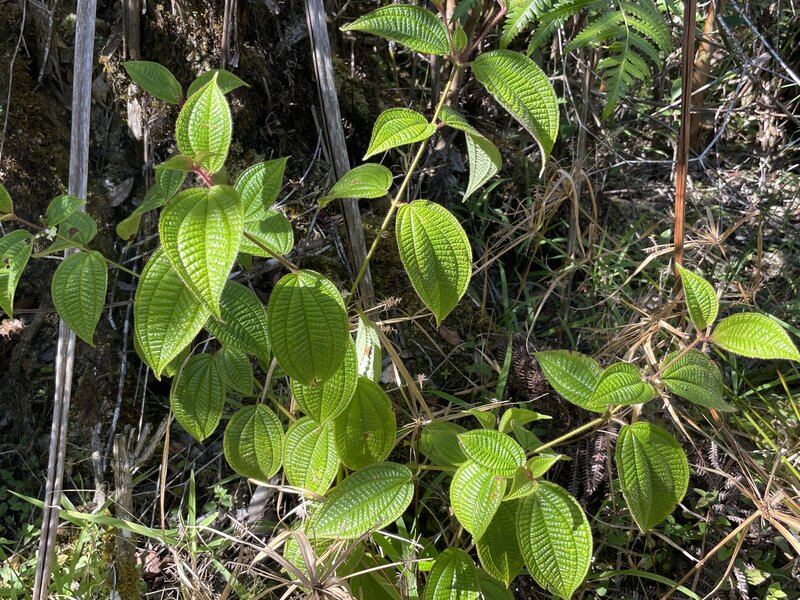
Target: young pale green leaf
(197,396)
(226,81)
(243,321)
(327,400)
(412,26)
(203,128)
(539,465)
(436,254)
(398,127)
(15,250)
(496,452)
(621,384)
(498,548)
(523,484)
(756,336)
(701,300)
(180,162)
(475,494)
(61,207)
(310,460)
(369,180)
(517,417)
(308,326)
(155,79)
(439,443)
(523,89)
(460,39)
(696,378)
(370,498)
(486,418)
(166,316)
(6,205)
(453,577)
(235,369)
(555,539)
(200,235)
(365,431)
(573,375)
(253,442)
(653,472)
(484,157)
(368,349)
(79,292)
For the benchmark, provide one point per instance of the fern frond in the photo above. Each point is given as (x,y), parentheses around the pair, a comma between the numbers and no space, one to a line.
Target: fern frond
(520,15)
(462,9)
(557,16)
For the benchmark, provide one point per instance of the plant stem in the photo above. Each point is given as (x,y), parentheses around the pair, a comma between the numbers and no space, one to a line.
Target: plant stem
(281,259)
(586,427)
(697,340)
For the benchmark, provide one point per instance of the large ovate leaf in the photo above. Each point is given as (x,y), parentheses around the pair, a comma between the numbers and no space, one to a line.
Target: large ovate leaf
(365,430)
(484,157)
(226,81)
(491,589)
(166,315)
(203,128)
(271,235)
(327,400)
(368,349)
(496,452)
(243,321)
(412,26)
(6,205)
(523,89)
(453,577)
(369,180)
(308,326)
(235,369)
(15,250)
(701,300)
(370,498)
(436,254)
(439,443)
(696,378)
(756,336)
(155,79)
(200,235)
(498,548)
(621,384)
(572,374)
(79,292)
(310,460)
(253,442)
(555,539)
(398,127)
(61,207)
(197,396)
(258,188)
(653,472)
(475,494)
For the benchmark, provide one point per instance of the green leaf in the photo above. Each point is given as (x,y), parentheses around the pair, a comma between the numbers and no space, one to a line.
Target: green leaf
(439,443)
(523,89)
(412,26)
(370,498)
(436,254)
(756,336)
(203,128)
(155,79)
(310,460)
(453,577)
(226,81)
(515,417)
(486,418)
(368,349)
(498,548)
(496,452)
(79,292)
(398,127)
(200,235)
(701,300)
(696,378)
(572,374)
(365,430)
(235,369)
(475,494)
(491,589)
(180,162)
(259,186)
(166,316)
(60,208)
(6,205)
(621,384)
(520,14)
(253,442)
(308,326)
(523,484)
(327,400)
(15,250)
(653,472)
(369,180)
(555,539)
(243,321)
(539,465)
(77,229)
(460,39)
(197,396)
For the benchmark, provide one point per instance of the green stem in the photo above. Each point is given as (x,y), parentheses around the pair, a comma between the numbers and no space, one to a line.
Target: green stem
(695,342)
(281,259)
(586,427)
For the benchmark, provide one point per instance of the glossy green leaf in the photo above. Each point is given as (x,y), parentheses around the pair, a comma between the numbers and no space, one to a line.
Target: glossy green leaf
(327,400)
(15,250)
(653,472)
(491,589)
(555,539)
(412,26)
(369,180)
(516,417)
(62,207)
(253,442)
(368,349)
(365,430)
(572,374)
(370,498)
(496,452)
(308,326)
(436,254)
(539,465)
(701,299)
(173,366)
(258,189)
(77,229)
(486,418)
(523,484)
(180,162)
(452,577)
(79,292)
(243,321)
(235,369)
(166,316)
(203,128)
(398,127)
(155,79)
(197,396)
(200,235)
(523,89)
(226,81)
(475,494)
(438,441)
(696,378)
(621,384)
(498,548)
(272,235)
(310,460)
(756,336)
(6,205)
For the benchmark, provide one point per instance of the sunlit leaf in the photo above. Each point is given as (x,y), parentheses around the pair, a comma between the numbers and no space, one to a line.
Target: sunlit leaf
(203,128)
(701,299)
(155,79)
(398,127)
(253,442)
(310,459)
(411,26)
(79,292)
(369,180)
(15,250)
(573,375)
(496,452)
(756,336)
(475,494)
(696,378)
(327,400)
(243,321)
(197,396)
(453,577)
(498,548)
(365,430)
